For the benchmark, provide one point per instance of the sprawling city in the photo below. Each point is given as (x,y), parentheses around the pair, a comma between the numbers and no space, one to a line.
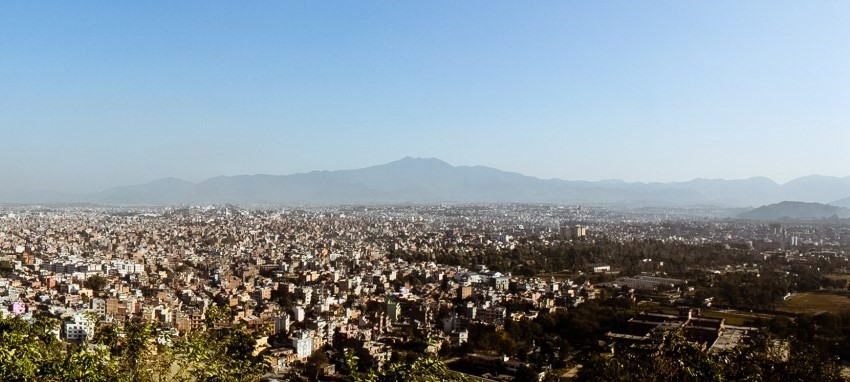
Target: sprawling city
(522,292)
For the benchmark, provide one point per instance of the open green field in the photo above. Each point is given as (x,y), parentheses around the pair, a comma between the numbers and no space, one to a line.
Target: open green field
(838,276)
(810,302)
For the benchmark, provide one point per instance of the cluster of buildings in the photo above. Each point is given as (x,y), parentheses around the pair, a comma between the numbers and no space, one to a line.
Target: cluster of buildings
(645,332)
(315,277)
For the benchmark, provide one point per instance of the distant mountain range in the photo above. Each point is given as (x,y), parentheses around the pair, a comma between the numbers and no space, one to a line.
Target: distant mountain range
(418,180)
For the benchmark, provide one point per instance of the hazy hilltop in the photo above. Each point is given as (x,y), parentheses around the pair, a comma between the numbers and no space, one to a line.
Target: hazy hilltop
(430,180)
(157,192)
(739,193)
(842,203)
(796,211)
(819,188)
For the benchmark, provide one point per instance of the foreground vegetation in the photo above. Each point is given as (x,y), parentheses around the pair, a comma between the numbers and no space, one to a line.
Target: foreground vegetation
(138,352)
(679,360)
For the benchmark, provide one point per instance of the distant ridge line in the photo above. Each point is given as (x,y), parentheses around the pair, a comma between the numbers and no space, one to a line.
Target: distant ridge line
(430,180)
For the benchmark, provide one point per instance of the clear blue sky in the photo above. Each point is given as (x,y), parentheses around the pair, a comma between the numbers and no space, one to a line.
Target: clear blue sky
(97,94)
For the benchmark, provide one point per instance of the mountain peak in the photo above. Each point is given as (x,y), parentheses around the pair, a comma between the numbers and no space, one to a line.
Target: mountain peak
(409,159)
(814,178)
(417,162)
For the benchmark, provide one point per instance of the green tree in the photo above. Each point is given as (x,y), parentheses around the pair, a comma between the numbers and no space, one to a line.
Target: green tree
(27,350)
(6,268)
(425,369)
(89,363)
(132,353)
(220,355)
(96,283)
(315,363)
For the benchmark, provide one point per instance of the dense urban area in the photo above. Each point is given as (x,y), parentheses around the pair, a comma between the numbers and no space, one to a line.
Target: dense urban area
(433,292)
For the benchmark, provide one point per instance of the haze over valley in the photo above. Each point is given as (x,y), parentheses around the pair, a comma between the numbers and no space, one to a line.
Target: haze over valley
(430,180)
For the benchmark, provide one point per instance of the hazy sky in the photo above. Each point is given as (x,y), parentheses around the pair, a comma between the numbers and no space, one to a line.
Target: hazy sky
(97,94)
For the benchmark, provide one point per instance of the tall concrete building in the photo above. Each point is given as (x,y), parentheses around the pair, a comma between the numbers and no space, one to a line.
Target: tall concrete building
(573,232)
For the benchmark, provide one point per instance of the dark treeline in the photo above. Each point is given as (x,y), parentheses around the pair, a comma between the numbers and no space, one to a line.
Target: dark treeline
(828,333)
(532,257)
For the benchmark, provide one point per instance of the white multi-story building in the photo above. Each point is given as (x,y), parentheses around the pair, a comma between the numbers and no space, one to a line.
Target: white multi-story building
(98,305)
(281,323)
(298,313)
(124,267)
(80,327)
(302,341)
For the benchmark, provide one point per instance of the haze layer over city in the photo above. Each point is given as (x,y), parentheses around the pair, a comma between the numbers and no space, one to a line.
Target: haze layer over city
(397,191)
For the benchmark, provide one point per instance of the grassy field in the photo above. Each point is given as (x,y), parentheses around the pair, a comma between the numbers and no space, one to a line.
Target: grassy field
(811,303)
(838,276)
